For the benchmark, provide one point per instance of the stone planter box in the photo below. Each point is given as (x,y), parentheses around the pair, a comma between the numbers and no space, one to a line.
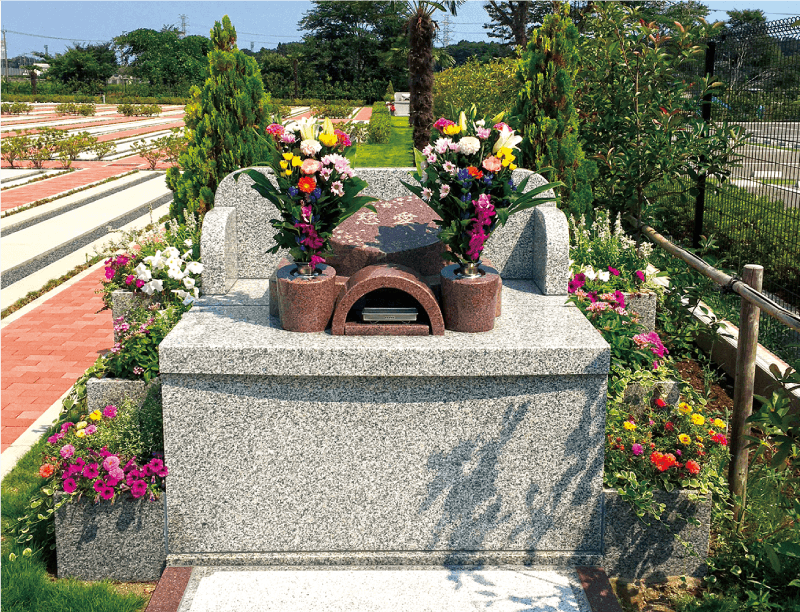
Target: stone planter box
(645,305)
(632,550)
(123,541)
(100,392)
(122,302)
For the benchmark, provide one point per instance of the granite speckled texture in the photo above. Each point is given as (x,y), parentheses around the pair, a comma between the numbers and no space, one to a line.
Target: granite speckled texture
(100,392)
(550,251)
(535,335)
(396,463)
(122,302)
(218,250)
(306,304)
(470,304)
(418,589)
(387,276)
(635,551)
(511,248)
(644,304)
(121,541)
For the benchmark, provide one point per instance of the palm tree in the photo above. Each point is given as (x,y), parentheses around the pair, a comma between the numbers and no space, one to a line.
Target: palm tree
(421,29)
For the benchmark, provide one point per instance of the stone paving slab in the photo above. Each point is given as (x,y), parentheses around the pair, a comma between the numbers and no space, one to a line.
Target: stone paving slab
(419,589)
(79,124)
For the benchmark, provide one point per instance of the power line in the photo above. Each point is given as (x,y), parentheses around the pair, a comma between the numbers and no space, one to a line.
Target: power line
(56,37)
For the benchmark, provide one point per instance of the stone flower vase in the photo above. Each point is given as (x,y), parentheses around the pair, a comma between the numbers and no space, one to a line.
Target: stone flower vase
(470,297)
(306,298)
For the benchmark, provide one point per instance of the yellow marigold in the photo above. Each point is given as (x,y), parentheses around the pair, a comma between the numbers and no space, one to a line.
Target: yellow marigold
(719,424)
(684,408)
(698,419)
(328,140)
(96,415)
(629,426)
(81,424)
(297,161)
(288,156)
(684,439)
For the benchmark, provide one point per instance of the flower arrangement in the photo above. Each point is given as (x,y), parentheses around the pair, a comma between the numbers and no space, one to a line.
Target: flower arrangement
(603,258)
(465,177)
(670,446)
(80,462)
(316,187)
(164,262)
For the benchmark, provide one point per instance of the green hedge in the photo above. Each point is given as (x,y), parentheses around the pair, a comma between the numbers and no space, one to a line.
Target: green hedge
(491,86)
(138,110)
(332,110)
(15,108)
(59,99)
(380,124)
(316,102)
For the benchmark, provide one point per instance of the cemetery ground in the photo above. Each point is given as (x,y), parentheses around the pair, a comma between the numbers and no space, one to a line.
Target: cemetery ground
(50,342)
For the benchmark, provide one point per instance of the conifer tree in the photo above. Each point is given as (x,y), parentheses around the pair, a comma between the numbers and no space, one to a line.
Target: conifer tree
(225,122)
(546,114)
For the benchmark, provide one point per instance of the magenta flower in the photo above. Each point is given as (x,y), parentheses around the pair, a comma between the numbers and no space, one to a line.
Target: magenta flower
(138,488)
(613,271)
(637,449)
(116,473)
(106,492)
(91,429)
(640,275)
(66,426)
(110,463)
(99,485)
(91,471)
(110,411)
(156,464)
(110,273)
(53,439)
(70,485)
(67,451)
(578,281)
(678,452)
(129,279)
(619,298)
(139,283)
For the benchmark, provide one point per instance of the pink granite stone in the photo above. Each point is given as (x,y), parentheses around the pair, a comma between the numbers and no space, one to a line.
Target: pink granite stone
(386,276)
(306,304)
(402,231)
(470,304)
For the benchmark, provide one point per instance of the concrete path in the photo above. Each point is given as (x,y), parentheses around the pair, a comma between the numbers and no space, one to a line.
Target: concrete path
(366,589)
(81,124)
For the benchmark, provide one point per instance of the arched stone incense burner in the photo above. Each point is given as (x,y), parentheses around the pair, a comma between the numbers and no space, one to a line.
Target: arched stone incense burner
(441,448)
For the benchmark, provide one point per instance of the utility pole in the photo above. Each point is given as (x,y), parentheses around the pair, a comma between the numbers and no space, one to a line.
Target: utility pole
(45,51)
(444,31)
(252,45)
(183,26)
(5,53)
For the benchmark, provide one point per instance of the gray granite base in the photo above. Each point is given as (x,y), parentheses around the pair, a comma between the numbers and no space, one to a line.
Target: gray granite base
(123,302)
(644,304)
(100,392)
(635,551)
(120,541)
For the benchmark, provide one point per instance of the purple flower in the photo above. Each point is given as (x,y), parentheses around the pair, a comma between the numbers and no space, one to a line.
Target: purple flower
(70,485)
(91,471)
(66,426)
(578,281)
(67,451)
(99,485)
(156,464)
(53,439)
(678,452)
(106,492)
(110,272)
(619,298)
(138,488)
(129,279)
(613,271)
(110,411)
(637,449)
(640,275)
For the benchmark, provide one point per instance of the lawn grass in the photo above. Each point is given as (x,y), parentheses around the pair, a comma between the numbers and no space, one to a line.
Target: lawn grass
(398,152)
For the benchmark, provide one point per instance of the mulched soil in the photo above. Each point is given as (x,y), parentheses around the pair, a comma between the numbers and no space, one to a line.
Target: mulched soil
(720,391)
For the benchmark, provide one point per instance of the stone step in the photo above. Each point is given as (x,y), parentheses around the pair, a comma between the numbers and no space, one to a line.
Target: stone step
(385,588)
(32,248)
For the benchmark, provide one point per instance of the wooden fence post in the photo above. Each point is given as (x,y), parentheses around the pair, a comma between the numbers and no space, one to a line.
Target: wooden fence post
(743,392)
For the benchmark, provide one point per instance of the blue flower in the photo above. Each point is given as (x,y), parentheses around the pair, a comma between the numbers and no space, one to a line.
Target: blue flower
(293,191)
(512,185)
(316,193)
(463,174)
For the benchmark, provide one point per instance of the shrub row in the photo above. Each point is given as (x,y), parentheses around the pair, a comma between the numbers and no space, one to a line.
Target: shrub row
(380,124)
(54,98)
(138,110)
(316,102)
(71,108)
(17,108)
(332,111)
(50,143)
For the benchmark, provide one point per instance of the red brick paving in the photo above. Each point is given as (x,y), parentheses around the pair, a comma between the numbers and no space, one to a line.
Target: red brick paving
(42,355)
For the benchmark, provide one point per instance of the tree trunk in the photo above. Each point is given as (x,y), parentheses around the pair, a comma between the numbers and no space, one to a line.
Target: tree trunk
(420,68)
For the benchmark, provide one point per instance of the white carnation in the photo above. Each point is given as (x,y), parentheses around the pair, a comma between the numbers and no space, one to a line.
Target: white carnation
(469,145)
(310,147)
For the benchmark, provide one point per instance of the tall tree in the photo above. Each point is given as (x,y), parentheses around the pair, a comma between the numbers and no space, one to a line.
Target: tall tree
(83,67)
(744,17)
(512,21)
(421,30)
(224,122)
(163,58)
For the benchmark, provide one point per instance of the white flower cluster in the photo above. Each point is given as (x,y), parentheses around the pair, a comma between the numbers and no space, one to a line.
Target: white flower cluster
(176,267)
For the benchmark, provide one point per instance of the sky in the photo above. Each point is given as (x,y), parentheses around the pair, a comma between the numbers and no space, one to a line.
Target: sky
(30,25)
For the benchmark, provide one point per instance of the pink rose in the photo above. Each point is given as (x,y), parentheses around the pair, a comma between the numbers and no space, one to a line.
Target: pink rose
(310,166)
(492,164)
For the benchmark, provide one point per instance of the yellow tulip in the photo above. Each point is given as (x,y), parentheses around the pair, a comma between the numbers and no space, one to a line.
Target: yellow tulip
(284,164)
(462,121)
(297,161)
(513,166)
(288,156)
(328,140)
(327,127)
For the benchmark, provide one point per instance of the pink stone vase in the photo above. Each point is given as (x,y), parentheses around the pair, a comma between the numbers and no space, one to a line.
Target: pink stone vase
(306,297)
(470,297)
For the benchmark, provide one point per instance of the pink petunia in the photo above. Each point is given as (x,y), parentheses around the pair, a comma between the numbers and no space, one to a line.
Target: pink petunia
(138,488)
(70,485)
(110,411)
(613,271)
(91,471)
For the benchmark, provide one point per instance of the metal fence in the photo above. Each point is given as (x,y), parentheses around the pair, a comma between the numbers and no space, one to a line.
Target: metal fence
(756,218)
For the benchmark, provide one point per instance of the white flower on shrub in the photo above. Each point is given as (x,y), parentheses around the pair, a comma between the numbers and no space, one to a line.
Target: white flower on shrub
(188,242)
(604,275)
(188,282)
(153,286)
(143,273)
(590,273)
(194,267)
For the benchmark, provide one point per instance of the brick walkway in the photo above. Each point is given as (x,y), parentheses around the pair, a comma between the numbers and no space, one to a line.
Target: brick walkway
(47,349)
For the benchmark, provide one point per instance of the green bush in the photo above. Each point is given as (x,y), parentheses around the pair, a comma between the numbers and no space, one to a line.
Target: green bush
(332,110)
(138,110)
(491,86)
(73,108)
(16,108)
(316,102)
(380,124)
(16,147)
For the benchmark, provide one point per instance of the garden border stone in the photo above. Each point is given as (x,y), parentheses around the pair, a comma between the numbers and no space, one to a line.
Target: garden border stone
(123,541)
(100,392)
(644,304)
(122,302)
(632,550)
